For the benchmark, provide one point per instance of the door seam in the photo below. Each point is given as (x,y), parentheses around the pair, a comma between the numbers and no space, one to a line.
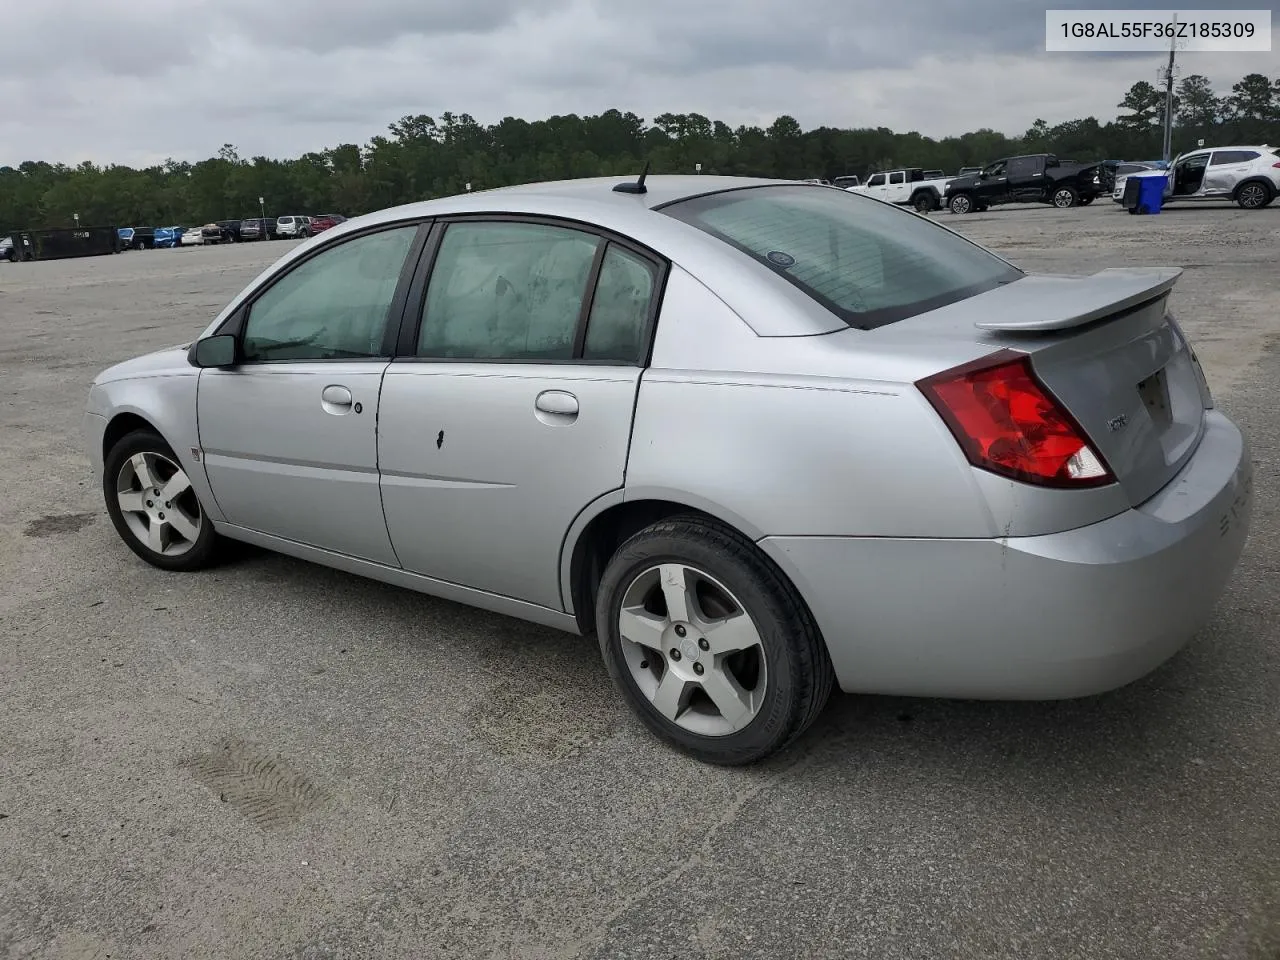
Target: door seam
(377,464)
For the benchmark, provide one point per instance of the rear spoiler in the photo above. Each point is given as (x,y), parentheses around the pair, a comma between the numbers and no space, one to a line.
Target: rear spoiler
(1079,300)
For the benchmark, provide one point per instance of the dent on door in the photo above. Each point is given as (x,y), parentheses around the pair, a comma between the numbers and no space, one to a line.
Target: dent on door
(485,466)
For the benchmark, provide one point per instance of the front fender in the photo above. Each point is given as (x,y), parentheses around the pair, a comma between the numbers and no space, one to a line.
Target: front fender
(168,404)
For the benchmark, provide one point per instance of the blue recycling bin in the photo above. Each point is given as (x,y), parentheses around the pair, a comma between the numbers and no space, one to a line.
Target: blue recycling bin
(1151,193)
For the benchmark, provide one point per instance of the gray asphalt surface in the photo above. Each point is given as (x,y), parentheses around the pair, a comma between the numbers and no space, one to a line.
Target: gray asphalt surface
(273,760)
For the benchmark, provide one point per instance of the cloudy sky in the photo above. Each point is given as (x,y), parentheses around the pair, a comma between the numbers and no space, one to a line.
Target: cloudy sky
(135,81)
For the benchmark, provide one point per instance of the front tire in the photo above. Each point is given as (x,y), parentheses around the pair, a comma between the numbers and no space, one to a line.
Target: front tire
(924,203)
(153,506)
(961,203)
(708,642)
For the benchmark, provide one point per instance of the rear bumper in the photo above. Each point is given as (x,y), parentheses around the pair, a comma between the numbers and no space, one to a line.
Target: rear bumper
(1028,618)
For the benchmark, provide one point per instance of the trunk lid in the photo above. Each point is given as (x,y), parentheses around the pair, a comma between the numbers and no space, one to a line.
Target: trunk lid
(1108,350)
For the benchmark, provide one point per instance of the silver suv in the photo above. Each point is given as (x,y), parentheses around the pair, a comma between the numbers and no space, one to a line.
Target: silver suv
(1249,176)
(293,227)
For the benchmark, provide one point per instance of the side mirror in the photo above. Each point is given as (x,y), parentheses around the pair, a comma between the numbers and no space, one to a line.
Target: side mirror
(217,351)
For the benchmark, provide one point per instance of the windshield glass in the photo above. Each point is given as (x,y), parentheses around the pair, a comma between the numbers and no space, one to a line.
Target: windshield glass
(868,262)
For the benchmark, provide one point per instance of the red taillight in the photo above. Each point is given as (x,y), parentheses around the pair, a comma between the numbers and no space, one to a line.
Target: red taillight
(1008,423)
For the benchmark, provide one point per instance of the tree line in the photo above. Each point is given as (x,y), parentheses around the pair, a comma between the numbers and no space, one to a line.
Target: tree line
(421,157)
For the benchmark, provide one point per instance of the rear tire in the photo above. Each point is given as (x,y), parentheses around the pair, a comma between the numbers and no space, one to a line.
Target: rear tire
(1254,195)
(738,674)
(154,507)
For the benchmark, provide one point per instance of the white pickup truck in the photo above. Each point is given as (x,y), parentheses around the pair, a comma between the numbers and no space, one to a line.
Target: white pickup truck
(905,187)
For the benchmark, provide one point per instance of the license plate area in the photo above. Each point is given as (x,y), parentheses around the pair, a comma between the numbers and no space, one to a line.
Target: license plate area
(1155,397)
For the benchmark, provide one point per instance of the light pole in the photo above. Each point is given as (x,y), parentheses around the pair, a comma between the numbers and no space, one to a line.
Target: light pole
(263,210)
(1169,75)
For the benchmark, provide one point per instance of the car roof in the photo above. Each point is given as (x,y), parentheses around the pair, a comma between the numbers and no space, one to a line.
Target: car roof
(1262,148)
(770,305)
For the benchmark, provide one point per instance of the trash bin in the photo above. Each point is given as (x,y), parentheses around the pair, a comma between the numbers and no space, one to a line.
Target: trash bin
(1150,193)
(1130,199)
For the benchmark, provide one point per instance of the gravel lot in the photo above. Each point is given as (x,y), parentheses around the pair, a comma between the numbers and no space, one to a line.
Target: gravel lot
(445,782)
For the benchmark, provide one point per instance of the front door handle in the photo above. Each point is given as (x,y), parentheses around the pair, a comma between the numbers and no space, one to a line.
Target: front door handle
(559,403)
(336,399)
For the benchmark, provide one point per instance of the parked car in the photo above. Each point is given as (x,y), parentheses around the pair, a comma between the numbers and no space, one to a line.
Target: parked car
(293,227)
(7,251)
(591,404)
(844,183)
(325,221)
(192,237)
(256,228)
(935,175)
(1247,176)
(223,231)
(168,237)
(969,171)
(137,238)
(1121,177)
(1035,178)
(907,187)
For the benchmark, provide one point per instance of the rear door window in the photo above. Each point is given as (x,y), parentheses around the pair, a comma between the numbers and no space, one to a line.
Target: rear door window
(1022,166)
(1223,157)
(869,263)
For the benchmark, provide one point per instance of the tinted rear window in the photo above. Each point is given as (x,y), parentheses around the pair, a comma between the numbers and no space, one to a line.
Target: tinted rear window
(868,262)
(1234,156)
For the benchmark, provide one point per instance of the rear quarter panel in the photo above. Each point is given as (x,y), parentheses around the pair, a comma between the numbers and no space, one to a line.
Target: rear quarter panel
(794,436)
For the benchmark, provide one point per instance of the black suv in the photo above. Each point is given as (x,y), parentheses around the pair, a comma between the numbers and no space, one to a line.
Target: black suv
(255,228)
(224,231)
(1035,178)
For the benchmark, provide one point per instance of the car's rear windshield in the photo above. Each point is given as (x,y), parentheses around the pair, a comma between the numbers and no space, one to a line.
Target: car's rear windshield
(866,261)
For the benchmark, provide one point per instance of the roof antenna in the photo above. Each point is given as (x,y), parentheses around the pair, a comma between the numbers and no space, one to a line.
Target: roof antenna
(637,187)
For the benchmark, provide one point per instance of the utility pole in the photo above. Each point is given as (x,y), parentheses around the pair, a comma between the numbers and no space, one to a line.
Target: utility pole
(1168,94)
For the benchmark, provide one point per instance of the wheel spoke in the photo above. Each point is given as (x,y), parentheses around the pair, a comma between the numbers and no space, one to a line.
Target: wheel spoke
(156,538)
(175,486)
(132,501)
(731,634)
(187,526)
(676,591)
(734,703)
(672,695)
(639,626)
(142,470)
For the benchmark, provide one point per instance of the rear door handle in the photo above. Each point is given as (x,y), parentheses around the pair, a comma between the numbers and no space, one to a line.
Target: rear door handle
(557,402)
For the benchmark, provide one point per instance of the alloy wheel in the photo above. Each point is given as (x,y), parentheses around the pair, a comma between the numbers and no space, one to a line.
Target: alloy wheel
(1252,196)
(158,504)
(1063,198)
(692,650)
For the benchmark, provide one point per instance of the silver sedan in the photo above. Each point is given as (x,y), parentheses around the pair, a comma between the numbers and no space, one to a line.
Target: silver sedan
(759,438)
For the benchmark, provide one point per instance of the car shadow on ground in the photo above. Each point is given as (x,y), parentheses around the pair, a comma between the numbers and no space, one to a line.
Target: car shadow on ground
(1069,745)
